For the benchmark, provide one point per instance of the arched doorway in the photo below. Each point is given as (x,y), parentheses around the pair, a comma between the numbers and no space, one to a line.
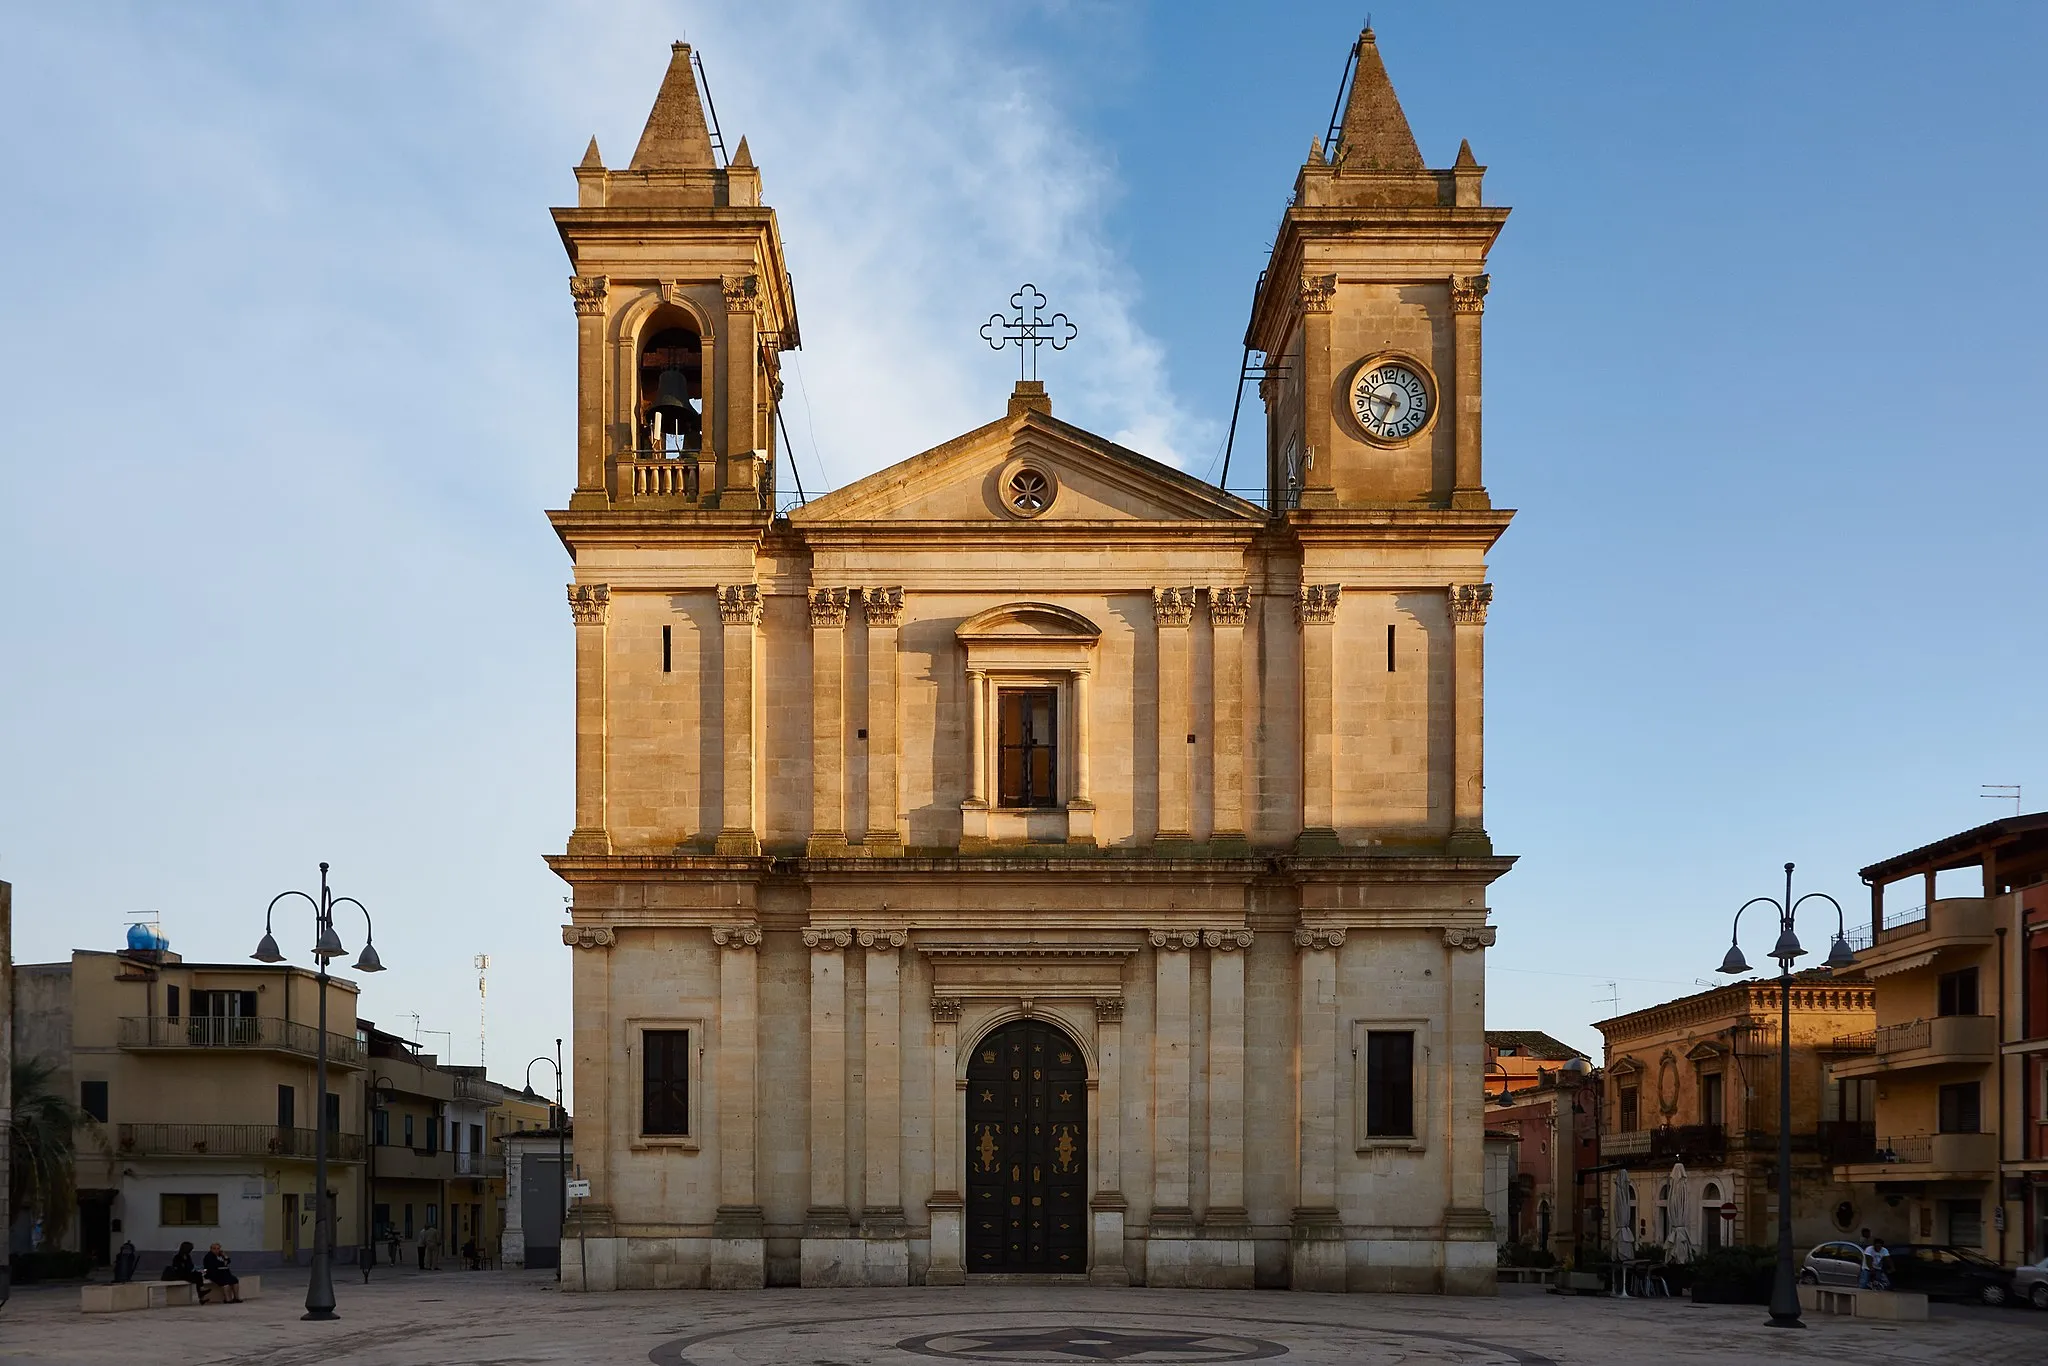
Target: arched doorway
(1027,1151)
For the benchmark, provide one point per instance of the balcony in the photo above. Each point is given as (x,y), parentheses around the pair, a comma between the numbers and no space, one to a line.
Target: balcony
(1947,1040)
(395,1163)
(1956,922)
(231,1140)
(484,1165)
(241,1033)
(1672,1143)
(1635,1143)
(1927,1157)
(651,479)
(1843,1141)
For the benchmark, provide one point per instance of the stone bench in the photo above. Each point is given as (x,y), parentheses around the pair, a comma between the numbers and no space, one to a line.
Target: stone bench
(1899,1306)
(120,1299)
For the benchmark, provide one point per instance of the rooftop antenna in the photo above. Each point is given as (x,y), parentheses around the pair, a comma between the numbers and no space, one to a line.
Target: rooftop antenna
(717,138)
(2002,792)
(1613,999)
(483,965)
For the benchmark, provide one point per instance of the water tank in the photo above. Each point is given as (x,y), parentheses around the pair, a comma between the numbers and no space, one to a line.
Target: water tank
(144,939)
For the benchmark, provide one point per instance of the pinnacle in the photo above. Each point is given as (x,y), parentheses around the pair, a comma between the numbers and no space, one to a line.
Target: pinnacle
(591,158)
(1466,161)
(1376,135)
(741,156)
(676,137)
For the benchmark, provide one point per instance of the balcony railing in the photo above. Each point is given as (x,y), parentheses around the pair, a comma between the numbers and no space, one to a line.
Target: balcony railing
(479,1164)
(230,1140)
(1936,1156)
(1690,1142)
(247,1032)
(1919,1043)
(1634,1143)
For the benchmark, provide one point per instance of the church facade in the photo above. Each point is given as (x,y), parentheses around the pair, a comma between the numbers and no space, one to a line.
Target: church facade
(1030,859)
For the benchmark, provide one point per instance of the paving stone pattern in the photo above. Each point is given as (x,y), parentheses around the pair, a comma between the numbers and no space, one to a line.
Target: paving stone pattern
(518,1319)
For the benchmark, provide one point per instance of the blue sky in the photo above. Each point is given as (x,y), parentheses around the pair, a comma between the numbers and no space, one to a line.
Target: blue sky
(284,354)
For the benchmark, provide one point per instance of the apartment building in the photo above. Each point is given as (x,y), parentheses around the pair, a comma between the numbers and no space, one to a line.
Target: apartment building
(1953,1066)
(201,1080)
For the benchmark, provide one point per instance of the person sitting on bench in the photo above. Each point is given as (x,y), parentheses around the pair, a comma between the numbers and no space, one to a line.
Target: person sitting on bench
(221,1274)
(180,1268)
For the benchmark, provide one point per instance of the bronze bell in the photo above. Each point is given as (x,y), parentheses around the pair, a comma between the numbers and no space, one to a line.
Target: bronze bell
(674,414)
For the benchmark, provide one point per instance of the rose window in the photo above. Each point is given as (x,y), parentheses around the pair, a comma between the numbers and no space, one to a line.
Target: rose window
(1030,492)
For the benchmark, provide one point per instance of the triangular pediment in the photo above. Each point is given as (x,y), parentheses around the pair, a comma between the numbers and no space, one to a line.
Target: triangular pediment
(973,478)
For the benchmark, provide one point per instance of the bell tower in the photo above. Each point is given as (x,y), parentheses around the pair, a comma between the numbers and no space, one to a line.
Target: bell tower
(683,308)
(1369,317)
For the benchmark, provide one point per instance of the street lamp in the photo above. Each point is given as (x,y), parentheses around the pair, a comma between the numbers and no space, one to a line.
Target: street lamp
(1785,1292)
(326,945)
(561,1150)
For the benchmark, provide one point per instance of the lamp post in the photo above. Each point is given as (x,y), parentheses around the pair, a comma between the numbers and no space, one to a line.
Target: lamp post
(561,1151)
(1785,1291)
(326,945)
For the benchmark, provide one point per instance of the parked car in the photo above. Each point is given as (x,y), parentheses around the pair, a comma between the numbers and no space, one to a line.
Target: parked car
(1950,1273)
(2030,1283)
(1838,1263)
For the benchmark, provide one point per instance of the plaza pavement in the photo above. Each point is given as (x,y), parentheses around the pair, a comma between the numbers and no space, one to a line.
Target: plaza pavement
(517,1318)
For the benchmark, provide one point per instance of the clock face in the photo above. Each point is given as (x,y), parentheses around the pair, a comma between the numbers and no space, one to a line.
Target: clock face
(1390,400)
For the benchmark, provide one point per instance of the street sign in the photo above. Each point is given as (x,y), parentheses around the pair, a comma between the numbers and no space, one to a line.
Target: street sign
(1727,1206)
(580,1190)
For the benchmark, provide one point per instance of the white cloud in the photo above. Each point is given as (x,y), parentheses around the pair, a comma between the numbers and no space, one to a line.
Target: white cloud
(921,171)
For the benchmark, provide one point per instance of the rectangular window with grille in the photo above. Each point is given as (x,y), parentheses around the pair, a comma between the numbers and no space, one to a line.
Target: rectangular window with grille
(665,1082)
(1959,1109)
(189,1211)
(1390,1083)
(1027,752)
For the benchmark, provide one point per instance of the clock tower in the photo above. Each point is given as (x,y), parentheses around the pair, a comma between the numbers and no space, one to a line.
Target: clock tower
(1369,317)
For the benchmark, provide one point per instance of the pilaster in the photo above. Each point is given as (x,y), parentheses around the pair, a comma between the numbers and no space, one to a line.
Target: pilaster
(883,608)
(947,1208)
(1172,1222)
(882,1094)
(591,1058)
(1081,810)
(1317,1259)
(1467,1224)
(1227,610)
(742,446)
(739,612)
(1468,603)
(589,293)
(1315,298)
(1468,302)
(1172,611)
(738,1257)
(1227,1258)
(827,1227)
(1316,611)
(589,607)
(828,721)
(974,811)
(1107,1208)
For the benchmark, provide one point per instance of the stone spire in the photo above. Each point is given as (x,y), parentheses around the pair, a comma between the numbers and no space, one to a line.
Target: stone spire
(676,137)
(1375,136)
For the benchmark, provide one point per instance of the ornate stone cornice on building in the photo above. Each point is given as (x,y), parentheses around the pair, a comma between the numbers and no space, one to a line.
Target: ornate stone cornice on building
(1316,293)
(737,936)
(1480,937)
(1226,940)
(589,936)
(1228,606)
(1109,1009)
(588,601)
(882,606)
(742,293)
(946,1009)
(828,940)
(1316,604)
(1314,940)
(882,939)
(1468,293)
(1175,939)
(1736,1004)
(1173,606)
(739,604)
(587,292)
(1469,602)
(828,607)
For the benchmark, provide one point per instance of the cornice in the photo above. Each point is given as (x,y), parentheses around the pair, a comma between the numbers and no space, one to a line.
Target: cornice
(1741,1005)
(1063,950)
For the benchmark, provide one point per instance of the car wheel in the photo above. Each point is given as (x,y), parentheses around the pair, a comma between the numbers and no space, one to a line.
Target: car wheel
(2039,1295)
(1807,1277)
(1993,1295)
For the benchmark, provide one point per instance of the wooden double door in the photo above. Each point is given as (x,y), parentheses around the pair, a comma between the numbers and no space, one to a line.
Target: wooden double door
(1027,1152)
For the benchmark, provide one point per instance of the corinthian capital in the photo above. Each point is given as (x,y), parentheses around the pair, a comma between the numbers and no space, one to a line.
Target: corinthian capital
(882,606)
(1469,602)
(1173,606)
(1227,606)
(742,293)
(1316,293)
(588,601)
(1468,293)
(587,291)
(828,607)
(739,604)
(1317,603)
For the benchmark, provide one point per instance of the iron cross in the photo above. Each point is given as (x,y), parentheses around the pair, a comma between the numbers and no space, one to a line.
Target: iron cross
(1028,330)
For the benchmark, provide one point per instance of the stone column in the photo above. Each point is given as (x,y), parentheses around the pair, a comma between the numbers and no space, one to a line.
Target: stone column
(974,810)
(1316,1257)
(1226,1226)
(1315,297)
(883,608)
(740,486)
(1469,1255)
(739,609)
(1227,610)
(1468,685)
(589,605)
(830,1254)
(588,293)
(1172,610)
(886,1254)
(1468,301)
(595,1051)
(1167,1251)
(1106,1210)
(828,722)
(1081,809)
(1316,610)
(738,1255)
(947,1207)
